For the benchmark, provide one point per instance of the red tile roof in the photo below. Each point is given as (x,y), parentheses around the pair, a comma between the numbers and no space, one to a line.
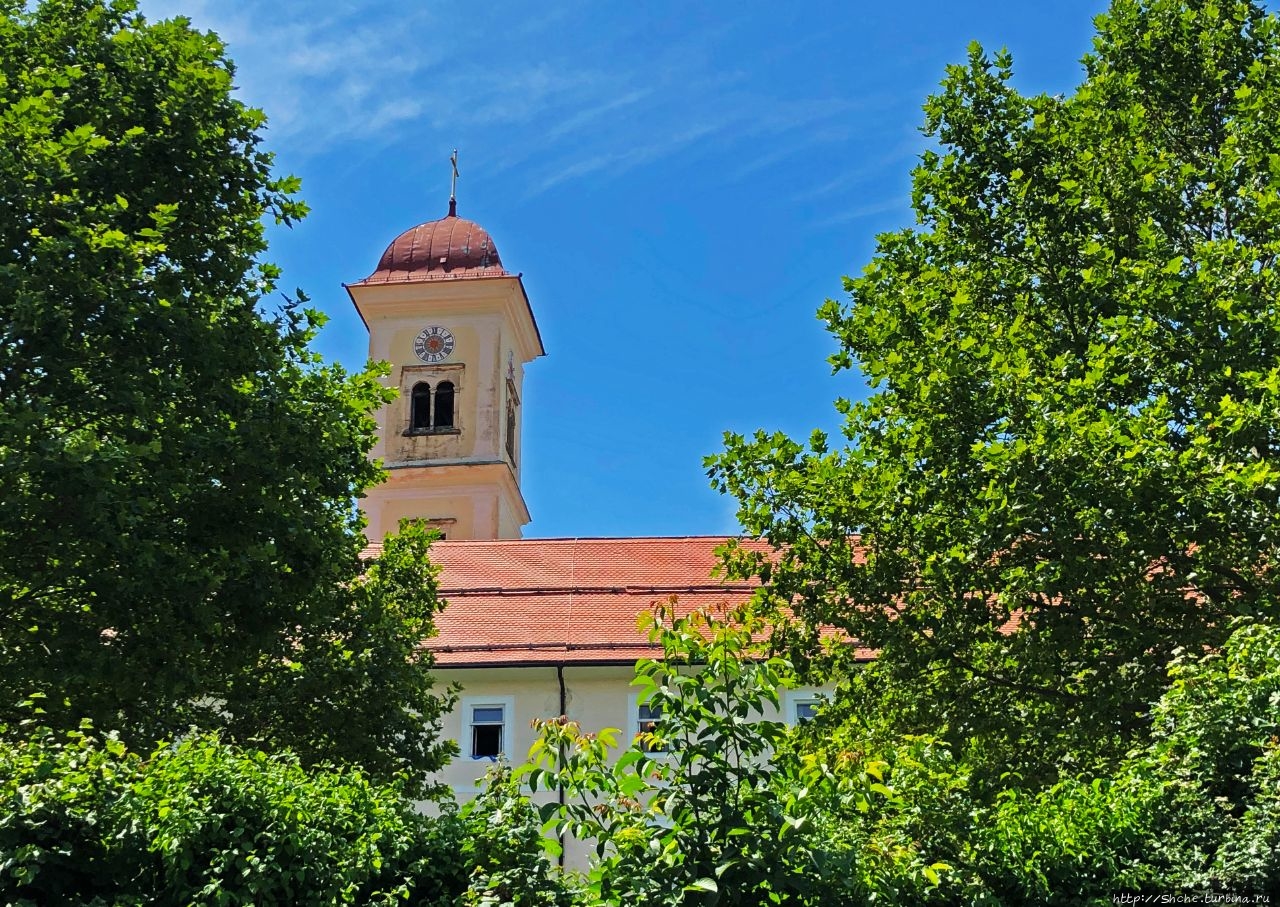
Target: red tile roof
(517,602)
(566,601)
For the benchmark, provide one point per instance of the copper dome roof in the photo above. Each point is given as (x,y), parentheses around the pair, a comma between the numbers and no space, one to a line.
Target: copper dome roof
(451,247)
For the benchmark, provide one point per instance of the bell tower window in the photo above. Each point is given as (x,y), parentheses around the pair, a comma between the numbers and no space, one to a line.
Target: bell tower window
(513,404)
(511,432)
(431,395)
(420,407)
(444,405)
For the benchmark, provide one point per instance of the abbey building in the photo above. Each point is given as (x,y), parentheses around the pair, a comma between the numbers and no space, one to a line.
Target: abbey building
(534,628)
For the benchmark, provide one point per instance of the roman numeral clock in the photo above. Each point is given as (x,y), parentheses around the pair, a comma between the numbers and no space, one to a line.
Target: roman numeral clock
(434,344)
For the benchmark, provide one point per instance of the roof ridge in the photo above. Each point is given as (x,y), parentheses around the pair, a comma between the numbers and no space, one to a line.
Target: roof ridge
(576,539)
(626,588)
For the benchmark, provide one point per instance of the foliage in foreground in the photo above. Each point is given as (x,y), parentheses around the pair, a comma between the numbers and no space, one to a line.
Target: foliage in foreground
(1076,393)
(697,805)
(85,821)
(505,846)
(178,542)
(723,804)
(700,811)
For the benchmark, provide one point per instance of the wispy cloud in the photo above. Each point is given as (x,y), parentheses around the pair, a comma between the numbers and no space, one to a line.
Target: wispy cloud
(621,162)
(786,152)
(562,94)
(852,177)
(582,119)
(324,75)
(858,212)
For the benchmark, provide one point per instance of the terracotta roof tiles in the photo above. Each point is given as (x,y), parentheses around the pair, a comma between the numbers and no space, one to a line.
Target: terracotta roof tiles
(566,601)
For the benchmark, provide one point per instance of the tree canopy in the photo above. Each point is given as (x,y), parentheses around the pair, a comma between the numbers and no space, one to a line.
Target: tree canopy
(737,808)
(179,543)
(1066,469)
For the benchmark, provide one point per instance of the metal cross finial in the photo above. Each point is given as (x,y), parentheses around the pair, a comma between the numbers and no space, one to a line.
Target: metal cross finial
(453,185)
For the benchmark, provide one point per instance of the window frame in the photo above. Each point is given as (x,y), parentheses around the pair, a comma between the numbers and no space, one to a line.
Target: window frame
(635,725)
(466,736)
(792,700)
(432,376)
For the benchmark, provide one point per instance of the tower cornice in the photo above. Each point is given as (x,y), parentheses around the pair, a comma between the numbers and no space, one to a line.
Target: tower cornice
(457,296)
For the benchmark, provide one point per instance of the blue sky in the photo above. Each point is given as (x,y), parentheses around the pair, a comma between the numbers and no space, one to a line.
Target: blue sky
(681,184)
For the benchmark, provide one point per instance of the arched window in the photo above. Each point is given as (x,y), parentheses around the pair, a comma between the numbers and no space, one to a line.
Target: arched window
(420,406)
(444,405)
(511,431)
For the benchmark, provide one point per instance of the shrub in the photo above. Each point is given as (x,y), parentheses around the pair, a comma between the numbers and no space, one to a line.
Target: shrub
(83,820)
(504,843)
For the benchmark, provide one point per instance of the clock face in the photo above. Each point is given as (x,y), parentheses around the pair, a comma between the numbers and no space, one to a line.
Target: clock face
(434,344)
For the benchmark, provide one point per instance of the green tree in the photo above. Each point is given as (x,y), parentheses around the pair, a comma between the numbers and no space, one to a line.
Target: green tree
(687,813)
(1075,369)
(178,470)
(717,804)
(736,808)
(504,847)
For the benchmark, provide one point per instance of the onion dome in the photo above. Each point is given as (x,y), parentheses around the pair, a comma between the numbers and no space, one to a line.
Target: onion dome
(451,247)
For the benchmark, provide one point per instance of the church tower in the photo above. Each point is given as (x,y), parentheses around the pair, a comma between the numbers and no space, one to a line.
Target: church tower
(458,330)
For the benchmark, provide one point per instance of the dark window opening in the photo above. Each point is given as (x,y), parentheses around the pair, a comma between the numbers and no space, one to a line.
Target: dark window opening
(420,407)
(511,432)
(486,732)
(444,405)
(649,716)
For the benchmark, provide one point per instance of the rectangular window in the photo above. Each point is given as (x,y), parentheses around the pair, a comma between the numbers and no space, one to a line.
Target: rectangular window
(486,731)
(806,709)
(647,718)
(802,706)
